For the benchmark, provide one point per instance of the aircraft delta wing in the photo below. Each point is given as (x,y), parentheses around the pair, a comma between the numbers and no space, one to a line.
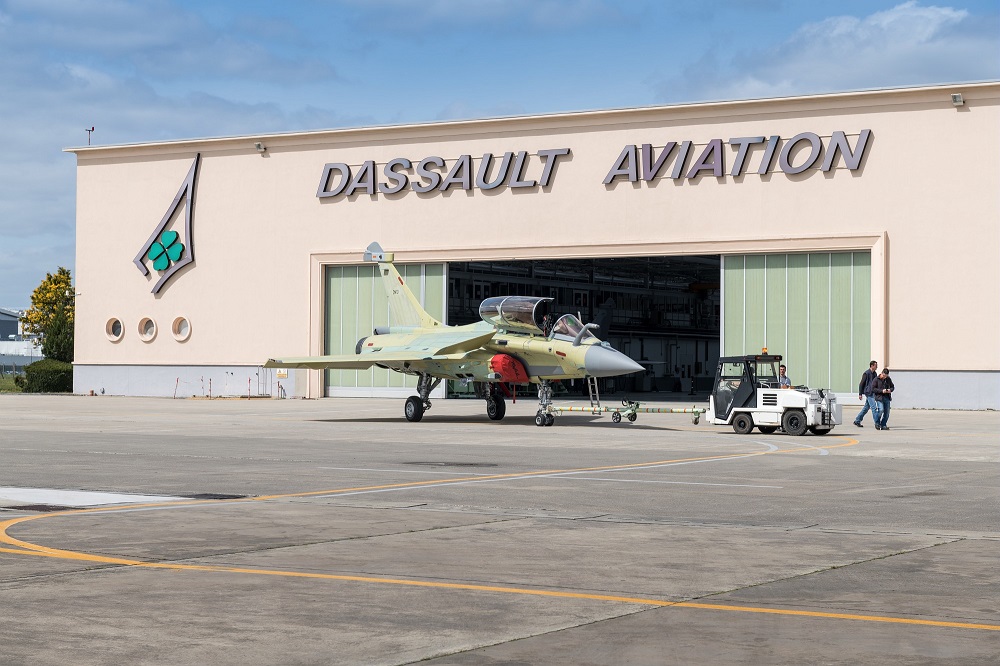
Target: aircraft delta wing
(518,342)
(436,345)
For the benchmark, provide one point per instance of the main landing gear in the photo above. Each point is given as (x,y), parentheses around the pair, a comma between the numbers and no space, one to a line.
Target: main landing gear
(416,405)
(495,406)
(544,417)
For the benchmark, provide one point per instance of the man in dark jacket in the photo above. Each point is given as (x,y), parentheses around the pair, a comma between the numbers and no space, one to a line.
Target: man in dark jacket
(864,393)
(882,389)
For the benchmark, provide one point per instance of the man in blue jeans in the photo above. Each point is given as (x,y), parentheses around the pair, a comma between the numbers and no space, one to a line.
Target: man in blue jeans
(864,393)
(882,389)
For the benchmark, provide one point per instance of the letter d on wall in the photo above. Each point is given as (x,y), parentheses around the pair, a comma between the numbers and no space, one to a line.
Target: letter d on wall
(345,177)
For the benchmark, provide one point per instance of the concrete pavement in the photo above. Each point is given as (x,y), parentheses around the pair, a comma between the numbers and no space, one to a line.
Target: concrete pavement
(334,532)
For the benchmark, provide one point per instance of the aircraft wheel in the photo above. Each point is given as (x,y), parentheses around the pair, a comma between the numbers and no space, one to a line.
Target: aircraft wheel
(540,418)
(794,422)
(632,417)
(496,408)
(767,430)
(414,409)
(743,424)
(616,417)
(550,419)
(819,430)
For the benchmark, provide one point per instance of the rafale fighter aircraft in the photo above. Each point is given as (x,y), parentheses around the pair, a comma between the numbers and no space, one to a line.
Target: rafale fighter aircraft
(518,342)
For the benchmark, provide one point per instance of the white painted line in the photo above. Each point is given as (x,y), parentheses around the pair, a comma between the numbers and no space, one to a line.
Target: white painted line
(55,497)
(822,452)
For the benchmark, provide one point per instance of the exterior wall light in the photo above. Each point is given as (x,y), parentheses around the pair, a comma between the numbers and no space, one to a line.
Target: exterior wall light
(956,99)
(261,148)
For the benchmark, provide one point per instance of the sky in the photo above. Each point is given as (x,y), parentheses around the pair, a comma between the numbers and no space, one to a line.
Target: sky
(155,70)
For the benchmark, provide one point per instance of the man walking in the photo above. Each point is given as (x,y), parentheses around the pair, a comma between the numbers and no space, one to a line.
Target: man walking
(882,389)
(864,393)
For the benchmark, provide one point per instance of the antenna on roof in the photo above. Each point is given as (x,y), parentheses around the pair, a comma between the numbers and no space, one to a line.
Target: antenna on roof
(88,131)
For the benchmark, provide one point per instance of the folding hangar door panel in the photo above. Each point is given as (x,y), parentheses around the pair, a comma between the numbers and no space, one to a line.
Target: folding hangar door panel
(813,309)
(354,304)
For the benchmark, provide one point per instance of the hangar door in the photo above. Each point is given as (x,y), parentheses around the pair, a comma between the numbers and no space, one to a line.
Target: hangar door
(354,304)
(813,309)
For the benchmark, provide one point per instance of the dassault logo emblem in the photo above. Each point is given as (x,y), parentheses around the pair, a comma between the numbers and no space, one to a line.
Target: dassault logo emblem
(167,249)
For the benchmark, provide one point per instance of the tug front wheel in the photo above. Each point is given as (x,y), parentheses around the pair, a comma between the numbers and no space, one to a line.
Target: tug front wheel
(794,422)
(414,409)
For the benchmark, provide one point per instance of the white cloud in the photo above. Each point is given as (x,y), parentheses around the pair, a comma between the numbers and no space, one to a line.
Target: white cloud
(910,44)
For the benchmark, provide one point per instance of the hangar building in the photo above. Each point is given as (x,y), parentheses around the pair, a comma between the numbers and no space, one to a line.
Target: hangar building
(831,229)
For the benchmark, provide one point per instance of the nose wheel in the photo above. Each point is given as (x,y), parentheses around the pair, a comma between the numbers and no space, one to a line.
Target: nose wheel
(544,418)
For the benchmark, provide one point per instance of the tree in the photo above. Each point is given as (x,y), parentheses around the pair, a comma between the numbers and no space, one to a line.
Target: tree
(53,296)
(58,341)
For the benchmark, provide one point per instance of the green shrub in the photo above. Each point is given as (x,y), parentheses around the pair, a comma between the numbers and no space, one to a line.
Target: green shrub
(48,376)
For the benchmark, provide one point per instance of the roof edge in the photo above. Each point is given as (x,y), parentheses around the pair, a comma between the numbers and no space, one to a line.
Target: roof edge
(595,113)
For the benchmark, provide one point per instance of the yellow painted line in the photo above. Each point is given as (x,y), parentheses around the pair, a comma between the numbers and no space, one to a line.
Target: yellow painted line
(498,589)
(842,616)
(25,548)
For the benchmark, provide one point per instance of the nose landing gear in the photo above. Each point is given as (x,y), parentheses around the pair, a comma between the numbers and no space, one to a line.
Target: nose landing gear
(544,416)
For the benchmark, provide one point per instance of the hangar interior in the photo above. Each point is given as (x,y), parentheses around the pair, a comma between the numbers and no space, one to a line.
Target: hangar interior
(661,311)
(664,312)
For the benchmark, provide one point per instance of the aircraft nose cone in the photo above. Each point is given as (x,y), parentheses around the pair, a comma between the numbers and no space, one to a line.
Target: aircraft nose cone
(606,362)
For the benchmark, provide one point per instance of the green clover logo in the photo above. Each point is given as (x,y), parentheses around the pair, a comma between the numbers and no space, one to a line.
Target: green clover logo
(165,251)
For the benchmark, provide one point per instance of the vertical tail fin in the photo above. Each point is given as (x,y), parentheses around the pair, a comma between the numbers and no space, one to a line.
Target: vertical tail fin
(404,308)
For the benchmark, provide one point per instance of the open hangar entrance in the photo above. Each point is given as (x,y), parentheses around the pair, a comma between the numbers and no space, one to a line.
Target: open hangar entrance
(664,312)
(668,313)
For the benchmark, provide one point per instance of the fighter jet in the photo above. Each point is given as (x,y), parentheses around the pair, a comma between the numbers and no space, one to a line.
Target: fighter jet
(518,341)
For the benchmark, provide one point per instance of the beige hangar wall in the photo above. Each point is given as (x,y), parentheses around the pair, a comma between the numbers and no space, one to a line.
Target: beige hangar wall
(923,202)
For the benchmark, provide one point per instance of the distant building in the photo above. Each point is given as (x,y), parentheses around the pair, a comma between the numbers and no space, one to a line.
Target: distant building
(16,350)
(8,323)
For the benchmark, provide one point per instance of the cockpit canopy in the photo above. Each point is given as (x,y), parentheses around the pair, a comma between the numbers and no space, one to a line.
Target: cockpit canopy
(532,314)
(516,313)
(569,327)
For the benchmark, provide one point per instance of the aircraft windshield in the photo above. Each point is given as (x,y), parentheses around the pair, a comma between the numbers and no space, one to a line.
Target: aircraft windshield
(570,326)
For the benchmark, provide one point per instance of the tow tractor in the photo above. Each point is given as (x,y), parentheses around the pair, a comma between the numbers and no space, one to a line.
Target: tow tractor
(747,395)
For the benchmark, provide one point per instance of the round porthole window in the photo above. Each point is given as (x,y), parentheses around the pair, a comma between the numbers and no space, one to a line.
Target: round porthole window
(114,329)
(147,329)
(181,329)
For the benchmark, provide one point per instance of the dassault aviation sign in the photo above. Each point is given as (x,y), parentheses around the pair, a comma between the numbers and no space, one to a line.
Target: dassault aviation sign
(676,160)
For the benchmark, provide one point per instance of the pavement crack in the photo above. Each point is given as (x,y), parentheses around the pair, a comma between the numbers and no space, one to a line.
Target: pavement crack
(834,567)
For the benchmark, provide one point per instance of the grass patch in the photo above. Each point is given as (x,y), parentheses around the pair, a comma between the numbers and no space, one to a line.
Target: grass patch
(7,384)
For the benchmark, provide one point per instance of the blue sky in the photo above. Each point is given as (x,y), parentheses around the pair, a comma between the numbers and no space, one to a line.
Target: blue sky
(174,69)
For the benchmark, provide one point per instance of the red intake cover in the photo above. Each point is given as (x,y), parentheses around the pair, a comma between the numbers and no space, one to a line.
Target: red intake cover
(509,368)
